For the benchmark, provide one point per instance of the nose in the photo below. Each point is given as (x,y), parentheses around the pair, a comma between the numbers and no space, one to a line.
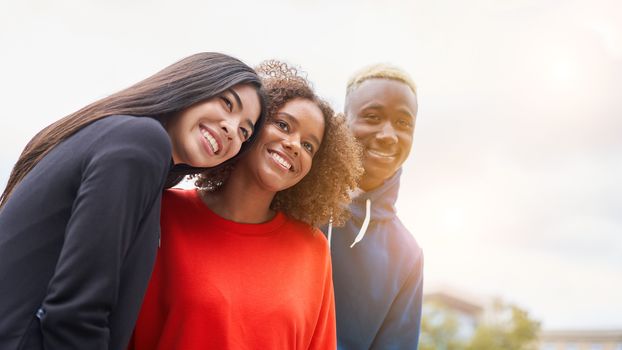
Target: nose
(292,143)
(387,133)
(229,126)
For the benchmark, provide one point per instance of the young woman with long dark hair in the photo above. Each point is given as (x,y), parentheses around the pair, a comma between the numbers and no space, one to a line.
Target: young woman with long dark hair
(79,218)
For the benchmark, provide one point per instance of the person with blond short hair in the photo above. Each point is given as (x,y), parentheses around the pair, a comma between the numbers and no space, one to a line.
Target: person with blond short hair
(377,264)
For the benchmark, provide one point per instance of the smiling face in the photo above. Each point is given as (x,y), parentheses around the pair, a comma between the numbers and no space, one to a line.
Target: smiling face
(283,154)
(381,115)
(211,132)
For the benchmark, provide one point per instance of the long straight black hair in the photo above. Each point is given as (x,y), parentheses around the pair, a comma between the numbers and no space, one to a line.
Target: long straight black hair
(162,96)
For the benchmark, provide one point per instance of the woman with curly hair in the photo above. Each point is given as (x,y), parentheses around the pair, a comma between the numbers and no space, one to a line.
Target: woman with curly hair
(79,218)
(242,264)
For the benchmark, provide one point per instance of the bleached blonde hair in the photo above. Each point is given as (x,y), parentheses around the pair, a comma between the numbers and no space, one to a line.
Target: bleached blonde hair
(380,71)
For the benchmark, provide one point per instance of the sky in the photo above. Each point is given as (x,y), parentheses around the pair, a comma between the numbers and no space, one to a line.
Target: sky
(513,184)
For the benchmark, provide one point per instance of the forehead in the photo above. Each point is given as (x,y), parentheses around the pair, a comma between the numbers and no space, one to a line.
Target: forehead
(248,95)
(246,89)
(307,115)
(384,92)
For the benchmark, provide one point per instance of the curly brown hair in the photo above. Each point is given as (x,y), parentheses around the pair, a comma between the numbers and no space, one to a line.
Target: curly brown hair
(324,192)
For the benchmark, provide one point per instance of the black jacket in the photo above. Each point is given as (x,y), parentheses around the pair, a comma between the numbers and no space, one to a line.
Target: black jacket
(79,235)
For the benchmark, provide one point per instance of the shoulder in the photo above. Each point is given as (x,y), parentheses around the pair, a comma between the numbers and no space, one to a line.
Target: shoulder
(178,204)
(405,238)
(313,237)
(412,252)
(177,196)
(139,131)
(136,141)
(320,240)
(406,253)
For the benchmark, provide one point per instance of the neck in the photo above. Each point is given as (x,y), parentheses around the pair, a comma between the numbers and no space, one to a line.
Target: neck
(241,200)
(369,183)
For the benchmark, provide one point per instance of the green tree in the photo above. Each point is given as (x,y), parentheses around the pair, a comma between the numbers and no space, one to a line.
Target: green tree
(502,327)
(439,328)
(508,328)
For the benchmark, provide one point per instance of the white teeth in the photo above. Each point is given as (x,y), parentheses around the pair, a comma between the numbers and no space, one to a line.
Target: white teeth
(211,140)
(280,160)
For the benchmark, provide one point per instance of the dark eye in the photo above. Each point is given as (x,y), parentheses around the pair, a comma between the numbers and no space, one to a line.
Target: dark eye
(281,125)
(309,147)
(227,103)
(245,133)
(372,118)
(405,123)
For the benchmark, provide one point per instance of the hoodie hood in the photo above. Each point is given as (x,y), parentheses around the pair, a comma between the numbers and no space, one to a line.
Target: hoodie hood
(382,200)
(383,197)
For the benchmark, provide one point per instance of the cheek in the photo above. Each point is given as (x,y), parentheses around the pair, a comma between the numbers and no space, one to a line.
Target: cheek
(253,157)
(268,133)
(184,116)
(267,138)
(173,128)
(362,132)
(201,108)
(406,140)
(308,164)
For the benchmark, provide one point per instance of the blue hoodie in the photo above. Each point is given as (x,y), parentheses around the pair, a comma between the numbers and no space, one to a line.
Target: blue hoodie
(379,281)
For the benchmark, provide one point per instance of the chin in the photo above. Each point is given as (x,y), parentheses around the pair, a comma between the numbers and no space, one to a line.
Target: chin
(271,185)
(379,173)
(379,168)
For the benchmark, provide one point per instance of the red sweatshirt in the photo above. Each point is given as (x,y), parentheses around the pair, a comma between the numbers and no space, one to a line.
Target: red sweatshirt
(219,284)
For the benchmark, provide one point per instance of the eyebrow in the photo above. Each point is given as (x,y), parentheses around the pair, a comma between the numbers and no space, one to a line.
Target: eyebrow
(373,106)
(239,101)
(237,98)
(295,121)
(381,107)
(406,111)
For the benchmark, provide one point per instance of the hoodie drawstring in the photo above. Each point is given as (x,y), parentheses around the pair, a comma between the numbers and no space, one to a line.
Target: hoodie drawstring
(361,233)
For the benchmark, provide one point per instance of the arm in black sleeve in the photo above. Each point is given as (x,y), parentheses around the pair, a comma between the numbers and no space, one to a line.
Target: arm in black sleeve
(123,174)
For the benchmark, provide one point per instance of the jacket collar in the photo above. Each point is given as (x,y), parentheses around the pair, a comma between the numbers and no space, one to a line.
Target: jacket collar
(382,199)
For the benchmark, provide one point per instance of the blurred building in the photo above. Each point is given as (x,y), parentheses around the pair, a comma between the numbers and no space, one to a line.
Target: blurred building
(581,340)
(469,311)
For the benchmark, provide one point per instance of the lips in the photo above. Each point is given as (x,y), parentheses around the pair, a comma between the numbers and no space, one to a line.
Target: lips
(213,140)
(382,153)
(282,160)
